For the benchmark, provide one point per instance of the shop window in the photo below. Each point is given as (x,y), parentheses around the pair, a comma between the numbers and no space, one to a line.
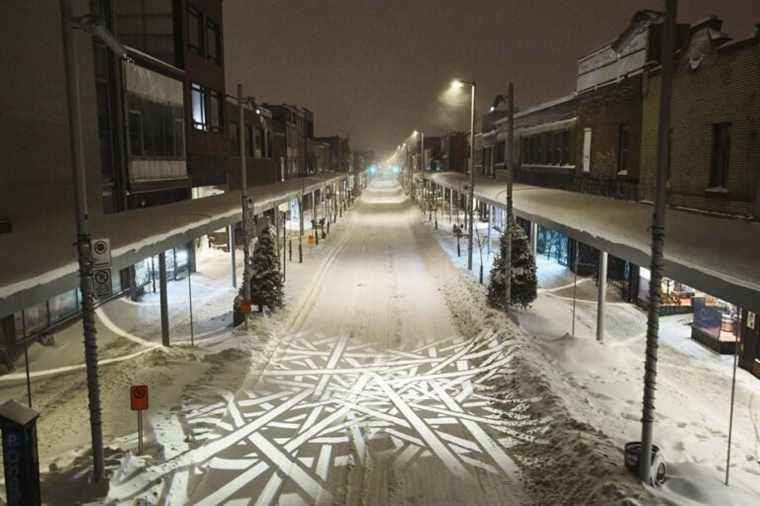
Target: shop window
(213,42)
(62,306)
(721,147)
(194,30)
(624,149)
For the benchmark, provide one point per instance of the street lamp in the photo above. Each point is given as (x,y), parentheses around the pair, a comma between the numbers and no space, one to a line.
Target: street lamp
(92,25)
(458,84)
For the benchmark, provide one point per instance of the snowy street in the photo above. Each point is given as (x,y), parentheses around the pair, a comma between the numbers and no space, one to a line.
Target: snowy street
(364,398)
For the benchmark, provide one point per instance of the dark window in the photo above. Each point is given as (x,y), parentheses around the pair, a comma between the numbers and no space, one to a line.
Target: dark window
(213,42)
(195,30)
(249,140)
(260,152)
(234,133)
(624,148)
(215,111)
(147,25)
(721,150)
(566,148)
(156,129)
(199,107)
(136,133)
(499,154)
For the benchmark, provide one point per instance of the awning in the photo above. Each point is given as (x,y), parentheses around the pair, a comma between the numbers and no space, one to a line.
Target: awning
(39,261)
(715,254)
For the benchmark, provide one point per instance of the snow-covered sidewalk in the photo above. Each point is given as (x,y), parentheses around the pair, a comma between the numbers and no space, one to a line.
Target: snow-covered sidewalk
(602,383)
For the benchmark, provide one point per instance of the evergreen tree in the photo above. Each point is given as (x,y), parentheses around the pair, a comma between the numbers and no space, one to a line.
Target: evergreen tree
(524,282)
(266,281)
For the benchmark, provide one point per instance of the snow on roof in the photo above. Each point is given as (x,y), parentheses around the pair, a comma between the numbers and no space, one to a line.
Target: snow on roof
(714,254)
(40,258)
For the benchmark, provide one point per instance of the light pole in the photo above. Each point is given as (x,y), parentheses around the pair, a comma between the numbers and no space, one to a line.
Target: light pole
(246,202)
(458,84)
(90,24)
(658,242)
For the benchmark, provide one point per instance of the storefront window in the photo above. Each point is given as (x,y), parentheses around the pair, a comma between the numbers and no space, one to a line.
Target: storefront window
(35,318)
(63,306)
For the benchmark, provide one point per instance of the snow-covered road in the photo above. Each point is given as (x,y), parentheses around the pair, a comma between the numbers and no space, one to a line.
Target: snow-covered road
(370,397)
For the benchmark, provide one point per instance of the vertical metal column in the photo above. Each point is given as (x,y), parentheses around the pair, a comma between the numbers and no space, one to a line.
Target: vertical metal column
(534,238)
(601,296)
(84,253)
(164,299)
(231,243)
(300,229)
(658,241)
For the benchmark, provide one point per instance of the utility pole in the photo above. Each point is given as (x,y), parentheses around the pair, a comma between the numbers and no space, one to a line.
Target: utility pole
(658,241)
(509,158)
(245,202)
(84,252)
(472,174)
(422,152)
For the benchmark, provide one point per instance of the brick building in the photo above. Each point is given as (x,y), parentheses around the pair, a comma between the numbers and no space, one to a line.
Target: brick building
(340,154)
(294,125)
(715,122)
(261,152)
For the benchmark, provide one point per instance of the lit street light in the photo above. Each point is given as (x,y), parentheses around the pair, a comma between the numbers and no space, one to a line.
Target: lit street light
(458,84)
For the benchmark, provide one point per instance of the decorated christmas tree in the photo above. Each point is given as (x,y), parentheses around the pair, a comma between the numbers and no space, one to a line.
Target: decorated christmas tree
(523,289)
(266,280)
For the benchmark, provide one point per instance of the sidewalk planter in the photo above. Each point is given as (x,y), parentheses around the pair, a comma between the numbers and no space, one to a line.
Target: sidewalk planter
(632,452)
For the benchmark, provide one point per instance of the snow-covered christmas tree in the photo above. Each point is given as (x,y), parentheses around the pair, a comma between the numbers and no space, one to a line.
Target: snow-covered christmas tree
(523,271)
(266,280)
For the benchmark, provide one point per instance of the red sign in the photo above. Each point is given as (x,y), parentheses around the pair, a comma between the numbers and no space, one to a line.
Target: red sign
(138,397)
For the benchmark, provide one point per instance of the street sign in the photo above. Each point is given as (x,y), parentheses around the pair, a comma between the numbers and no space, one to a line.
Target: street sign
(101,280)
(101,252)
(138,397)
(138,400)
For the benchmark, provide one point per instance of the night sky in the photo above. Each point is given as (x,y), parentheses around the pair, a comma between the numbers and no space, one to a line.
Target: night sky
(374,69)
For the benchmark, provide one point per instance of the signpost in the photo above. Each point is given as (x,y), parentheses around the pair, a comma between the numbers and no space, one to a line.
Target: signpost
(138,399)
(101,263)
(20,458)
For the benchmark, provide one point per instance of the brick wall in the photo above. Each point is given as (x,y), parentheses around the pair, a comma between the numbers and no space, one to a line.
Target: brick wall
(725,87)
(604,111)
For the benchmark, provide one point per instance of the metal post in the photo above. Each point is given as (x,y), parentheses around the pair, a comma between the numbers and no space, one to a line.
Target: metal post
(733,394)
(534,238)
(575,285)
(509,159)
(231,243)
(601,296)
(26,360)
(490,214)
(472,174)
(300,229)
(658,241)
(84,256)
(244,203)
(139,432)
(284,241)
(164,299)
(190,303)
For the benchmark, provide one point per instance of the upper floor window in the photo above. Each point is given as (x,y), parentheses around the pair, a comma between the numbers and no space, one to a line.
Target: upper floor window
(624,150)
(213,41)
(215,111)
(249,148)
(234,133)
(721,150)
(199,107)
(208,112)
(195,30)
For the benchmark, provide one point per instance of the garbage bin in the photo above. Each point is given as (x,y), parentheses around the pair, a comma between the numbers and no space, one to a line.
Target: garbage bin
(658,470)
